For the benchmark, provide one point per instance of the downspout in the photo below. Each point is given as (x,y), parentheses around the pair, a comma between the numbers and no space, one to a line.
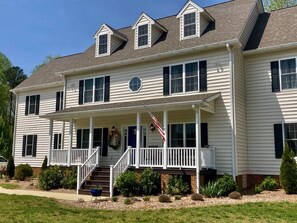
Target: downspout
(15,124)
(233,113)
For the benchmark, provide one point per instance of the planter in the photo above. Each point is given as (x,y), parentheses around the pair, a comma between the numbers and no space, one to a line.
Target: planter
(96,192)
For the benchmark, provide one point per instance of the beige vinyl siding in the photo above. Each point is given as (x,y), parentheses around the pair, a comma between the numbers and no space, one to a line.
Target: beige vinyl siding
(240,113)
(156,34)
(115,43)
(203,24)
(249,26)
(152,76)
(265,108)
(32,124)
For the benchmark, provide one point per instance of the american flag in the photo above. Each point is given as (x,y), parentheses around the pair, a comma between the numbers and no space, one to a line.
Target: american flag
(158,125)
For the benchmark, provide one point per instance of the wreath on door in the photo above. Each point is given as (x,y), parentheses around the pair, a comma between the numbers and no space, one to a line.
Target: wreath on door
(114,138)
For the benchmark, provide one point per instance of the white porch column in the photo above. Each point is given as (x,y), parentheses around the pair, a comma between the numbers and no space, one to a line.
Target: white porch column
(91,136)
(165,143)
(138,140)
(198,147)
(50,141)
(70,141)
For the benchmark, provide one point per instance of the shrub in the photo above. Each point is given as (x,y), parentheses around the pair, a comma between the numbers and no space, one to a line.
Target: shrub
(146,198)
(150,182)
(197,197)
(234,195)
(114,198)
(44,164)
(69,180)
(164,198)
(23,171)
(10,168)
(226,185)
(50,178)
(127,184)
(177,186)
(288,171)
(177,197)
(258,190)
(269,183)
(80,200)
(128,201)
(211,189)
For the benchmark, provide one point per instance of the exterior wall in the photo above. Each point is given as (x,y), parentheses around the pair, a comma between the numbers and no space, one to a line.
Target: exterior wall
(156,34)
(203,24)
(240,113)
(152,76)
(249,25)
(115,43)
(143,20)
(32,124)
(265,108)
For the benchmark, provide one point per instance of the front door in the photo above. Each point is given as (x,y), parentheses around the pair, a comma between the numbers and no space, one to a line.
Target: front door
(129,137)
(132,136)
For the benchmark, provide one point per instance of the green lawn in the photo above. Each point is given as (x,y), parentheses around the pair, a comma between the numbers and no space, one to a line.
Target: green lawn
(9,186)
(35,209)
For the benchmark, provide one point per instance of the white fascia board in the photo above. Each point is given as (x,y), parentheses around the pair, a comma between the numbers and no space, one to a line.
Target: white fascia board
(37,87)
(151,21)
(270,49)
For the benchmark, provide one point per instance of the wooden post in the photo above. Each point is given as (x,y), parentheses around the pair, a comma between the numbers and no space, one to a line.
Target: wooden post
(111,181)
(198,147)
(50,141)
(90,137)
(138,140)
(165,123)
(70,141)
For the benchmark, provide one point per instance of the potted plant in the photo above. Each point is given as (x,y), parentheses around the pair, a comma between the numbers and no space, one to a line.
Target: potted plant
(96,190)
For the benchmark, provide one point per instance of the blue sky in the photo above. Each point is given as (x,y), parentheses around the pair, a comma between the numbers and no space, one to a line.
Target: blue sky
(32,29)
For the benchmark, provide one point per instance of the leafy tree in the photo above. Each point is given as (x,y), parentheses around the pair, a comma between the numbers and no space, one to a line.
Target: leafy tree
(45,61)
(288,171)
(270,5)
(4,63)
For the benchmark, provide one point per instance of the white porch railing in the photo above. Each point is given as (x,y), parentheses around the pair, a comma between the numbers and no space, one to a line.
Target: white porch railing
(121,166)
(87,167)
(181,157)
(77,156)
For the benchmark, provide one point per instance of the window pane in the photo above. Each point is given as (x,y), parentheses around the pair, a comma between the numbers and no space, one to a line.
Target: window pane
(190,30)
(142,40)
(288,66)
(190,135)
(177,85)
(291,136)
(85,138)
(29,147)
(189,18)
(191,84)
(142,35)
(32,104)
(177,136)
(89,90)
(99,89)
(97,138)
(135,84)
(142,30)
(89,84)
(191,69)
(190,24)
(289,81)
(176,71)
(103,39)
(103,44)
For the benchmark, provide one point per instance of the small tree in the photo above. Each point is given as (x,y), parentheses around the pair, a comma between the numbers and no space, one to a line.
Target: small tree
(44,164)
(10,167)
(288,171)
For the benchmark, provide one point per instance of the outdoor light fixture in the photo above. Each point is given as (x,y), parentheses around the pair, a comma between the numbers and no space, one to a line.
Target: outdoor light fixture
(152,127)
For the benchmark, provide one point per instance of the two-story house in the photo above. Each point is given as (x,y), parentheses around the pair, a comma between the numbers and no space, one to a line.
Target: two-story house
(221,80)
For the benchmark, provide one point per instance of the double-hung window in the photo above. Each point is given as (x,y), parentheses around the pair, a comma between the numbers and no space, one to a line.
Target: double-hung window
(59,100)
(29,145)
(94,89)
(190,24)
(182,135)
(290,134)
(57,140)
(103,44)
(288,73)
(32,104)
(184,77)
(143,35)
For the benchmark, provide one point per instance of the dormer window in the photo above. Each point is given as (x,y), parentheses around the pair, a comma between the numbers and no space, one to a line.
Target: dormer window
(190,24)
(143,35)
(103,44)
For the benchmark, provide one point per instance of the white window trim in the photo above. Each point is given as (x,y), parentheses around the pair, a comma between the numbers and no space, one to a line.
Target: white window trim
(184,77)
(27,144)
(149,30)
(141,84)
(182,27)
(280,73)
(107,50)
(93,97)
(32,114)
(59,142)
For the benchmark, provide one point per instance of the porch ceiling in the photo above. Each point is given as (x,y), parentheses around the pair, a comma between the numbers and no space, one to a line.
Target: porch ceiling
(130,107)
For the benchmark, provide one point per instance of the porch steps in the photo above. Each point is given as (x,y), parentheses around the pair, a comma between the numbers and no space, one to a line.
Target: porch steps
(100,176)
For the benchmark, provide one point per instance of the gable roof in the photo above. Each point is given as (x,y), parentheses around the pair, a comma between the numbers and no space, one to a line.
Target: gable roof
(112,30)
(229,17)
(200,9)
(273,29)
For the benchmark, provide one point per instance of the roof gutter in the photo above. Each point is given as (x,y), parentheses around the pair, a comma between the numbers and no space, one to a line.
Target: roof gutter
(37,87)
(270,49)
(149,58)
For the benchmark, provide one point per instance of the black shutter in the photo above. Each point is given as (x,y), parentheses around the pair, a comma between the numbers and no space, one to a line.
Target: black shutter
(57,100)
(81,92)
(60,141)
(105,142)
(165,81)
(27,105)
(62,100)
(34,145)
(275,76)
(204,134)
(56,141)
(107,88)
(78,139)
(37,101)
(278,140)
(24,146)
(203,75)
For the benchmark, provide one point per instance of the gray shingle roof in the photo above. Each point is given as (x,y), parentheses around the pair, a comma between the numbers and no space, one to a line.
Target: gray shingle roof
(275,28)
(175,100)
(230,18)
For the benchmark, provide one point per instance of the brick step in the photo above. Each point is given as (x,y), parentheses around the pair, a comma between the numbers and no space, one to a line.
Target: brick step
(99,177)
(87,192)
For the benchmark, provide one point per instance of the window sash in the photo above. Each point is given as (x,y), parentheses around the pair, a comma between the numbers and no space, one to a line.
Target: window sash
(190,24)
(60,100)
(94,89)
(135,84)
(29,145)
(143,35)
(182,135)
(58,143)
(97,138)
(32,104)
(290,135)
(103,44)
(288,73)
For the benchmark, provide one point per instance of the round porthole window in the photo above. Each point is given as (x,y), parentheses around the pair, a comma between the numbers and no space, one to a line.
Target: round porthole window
(135,84)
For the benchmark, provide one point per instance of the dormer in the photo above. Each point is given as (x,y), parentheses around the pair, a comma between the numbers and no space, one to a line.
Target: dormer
(146,32)
(193,20)
(108,40)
